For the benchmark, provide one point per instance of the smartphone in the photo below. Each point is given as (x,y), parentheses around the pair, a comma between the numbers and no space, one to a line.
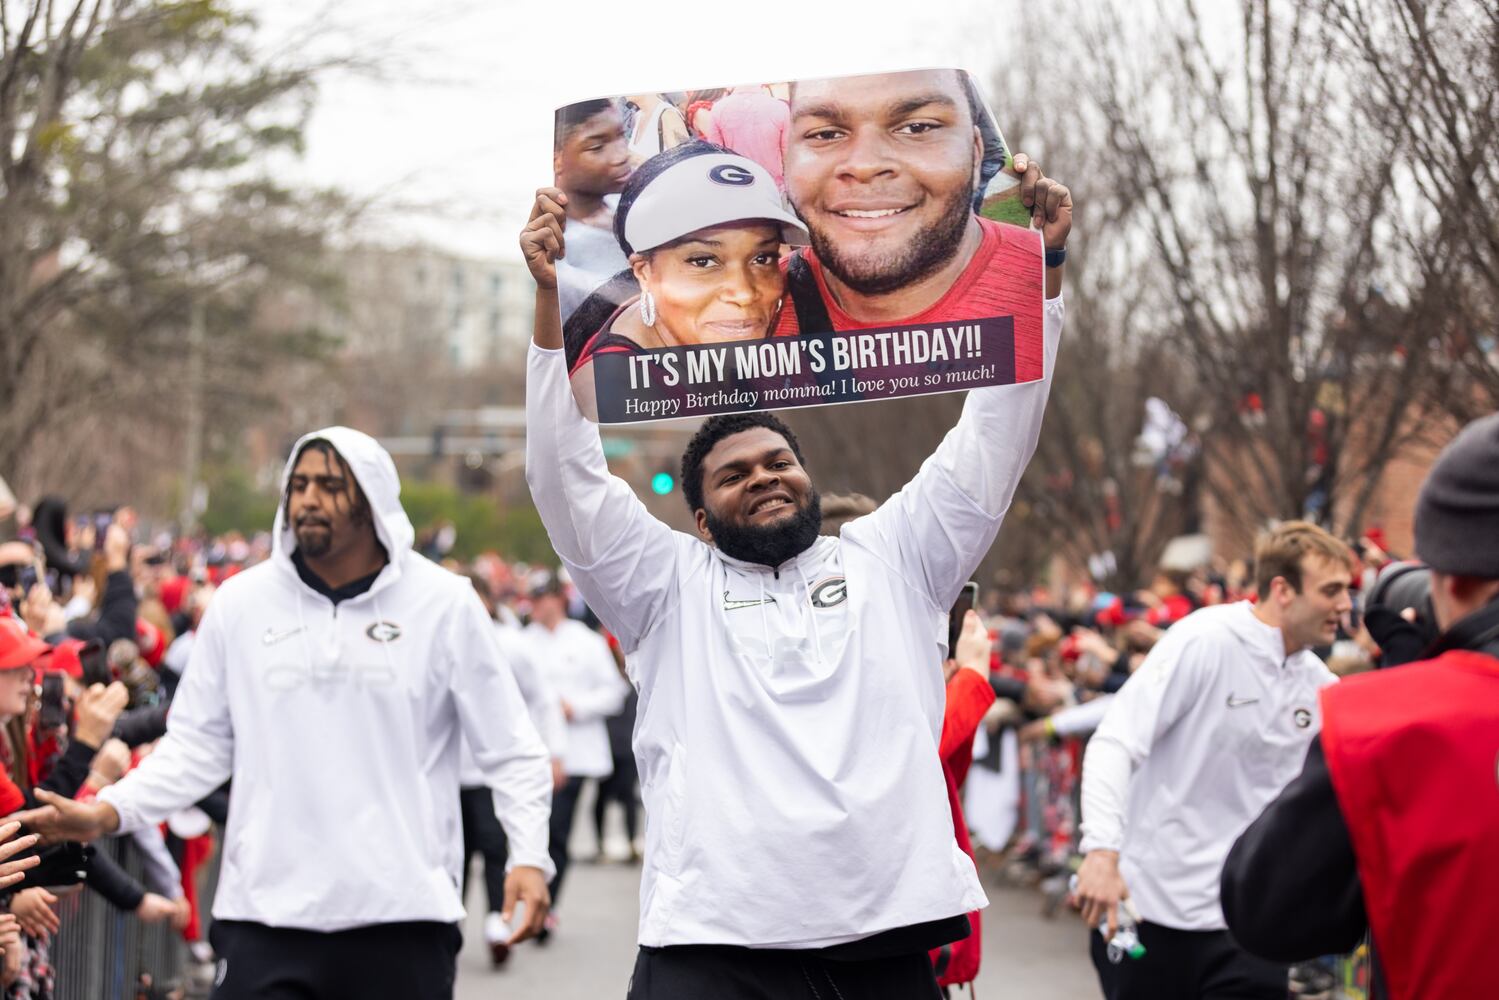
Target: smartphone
(102,520)
(53,710)
(968,600)
(92,656)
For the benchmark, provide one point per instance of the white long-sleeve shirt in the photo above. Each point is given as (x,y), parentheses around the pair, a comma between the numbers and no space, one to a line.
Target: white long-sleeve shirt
(789,719)
(541,700)
(339,726)
(581,671)
(1210,728)
(1079,720)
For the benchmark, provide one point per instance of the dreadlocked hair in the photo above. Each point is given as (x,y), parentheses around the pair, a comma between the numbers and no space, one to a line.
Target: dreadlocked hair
(714,430)
(359,506)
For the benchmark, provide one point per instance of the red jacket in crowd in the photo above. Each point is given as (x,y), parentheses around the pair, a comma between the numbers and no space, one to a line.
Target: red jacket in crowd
(968,698)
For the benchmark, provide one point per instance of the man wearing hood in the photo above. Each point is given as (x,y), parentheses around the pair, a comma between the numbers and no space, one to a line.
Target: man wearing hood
(332,683)
(799,841)
(1212,726)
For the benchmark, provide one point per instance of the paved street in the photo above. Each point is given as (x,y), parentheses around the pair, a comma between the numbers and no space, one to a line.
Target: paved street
(590,957)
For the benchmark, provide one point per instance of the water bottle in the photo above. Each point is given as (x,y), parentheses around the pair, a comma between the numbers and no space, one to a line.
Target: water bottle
(1126,940)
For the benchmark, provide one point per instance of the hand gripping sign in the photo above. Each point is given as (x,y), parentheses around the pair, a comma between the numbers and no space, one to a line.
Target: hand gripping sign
(781,245)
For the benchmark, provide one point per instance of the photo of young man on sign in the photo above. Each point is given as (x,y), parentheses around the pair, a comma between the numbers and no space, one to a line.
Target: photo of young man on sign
(872,265)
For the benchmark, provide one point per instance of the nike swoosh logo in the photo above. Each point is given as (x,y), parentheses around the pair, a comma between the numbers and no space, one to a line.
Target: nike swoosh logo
(729,605)
(1241,702)
(271,636)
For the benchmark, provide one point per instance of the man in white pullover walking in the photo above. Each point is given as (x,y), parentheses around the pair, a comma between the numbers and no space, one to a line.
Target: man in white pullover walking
(799,842)
(1202,737)
(331,683)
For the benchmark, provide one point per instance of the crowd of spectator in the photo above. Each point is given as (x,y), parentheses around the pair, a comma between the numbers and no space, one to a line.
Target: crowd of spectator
(97,619)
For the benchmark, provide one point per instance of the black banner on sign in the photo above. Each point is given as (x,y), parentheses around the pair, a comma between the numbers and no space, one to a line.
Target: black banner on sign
(806,370)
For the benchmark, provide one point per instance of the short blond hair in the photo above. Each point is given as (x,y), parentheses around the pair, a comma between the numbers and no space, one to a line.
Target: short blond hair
(1282,550)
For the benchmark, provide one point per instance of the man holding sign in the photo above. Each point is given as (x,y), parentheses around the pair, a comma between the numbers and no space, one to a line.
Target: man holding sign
(883,170)
(791,690)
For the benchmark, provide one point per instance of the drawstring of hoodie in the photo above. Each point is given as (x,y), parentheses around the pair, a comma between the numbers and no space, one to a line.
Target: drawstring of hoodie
(302,627)
(384,646)
(765,616)
(811,613)
(764,620)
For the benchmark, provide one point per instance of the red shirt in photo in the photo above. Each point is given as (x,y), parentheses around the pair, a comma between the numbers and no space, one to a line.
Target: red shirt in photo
(1004,278)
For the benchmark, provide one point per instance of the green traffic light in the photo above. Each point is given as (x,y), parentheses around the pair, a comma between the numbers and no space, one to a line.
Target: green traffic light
(662,483)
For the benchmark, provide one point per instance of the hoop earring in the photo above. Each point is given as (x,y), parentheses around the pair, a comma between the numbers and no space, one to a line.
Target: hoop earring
(647,308)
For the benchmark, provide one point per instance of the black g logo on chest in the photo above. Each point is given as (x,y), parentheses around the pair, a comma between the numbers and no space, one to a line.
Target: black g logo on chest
(384,632)
(1303,718)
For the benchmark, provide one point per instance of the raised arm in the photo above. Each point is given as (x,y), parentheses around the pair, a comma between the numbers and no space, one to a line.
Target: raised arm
(938,528)
(621,558)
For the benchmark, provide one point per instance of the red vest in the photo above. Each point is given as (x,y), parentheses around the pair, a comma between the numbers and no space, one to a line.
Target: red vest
(1414,758)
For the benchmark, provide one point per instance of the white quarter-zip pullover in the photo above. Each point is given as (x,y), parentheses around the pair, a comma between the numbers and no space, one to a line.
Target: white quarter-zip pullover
(340,726)
(789,718)
(1210,728)
(581,672)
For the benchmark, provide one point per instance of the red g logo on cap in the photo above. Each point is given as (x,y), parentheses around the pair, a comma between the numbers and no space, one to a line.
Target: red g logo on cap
(731,174)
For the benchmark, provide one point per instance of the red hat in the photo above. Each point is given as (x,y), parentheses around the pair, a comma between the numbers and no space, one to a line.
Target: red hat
(1170,611)
(173,592)
(152,643)
(18,647)
(1112,614)
(65,659)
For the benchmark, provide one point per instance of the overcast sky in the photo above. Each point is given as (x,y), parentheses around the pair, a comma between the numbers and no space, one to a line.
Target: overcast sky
(459,135)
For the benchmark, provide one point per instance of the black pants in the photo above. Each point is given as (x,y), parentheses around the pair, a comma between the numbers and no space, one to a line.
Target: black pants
(618,787)
(483,834)
(564,805)
(691,972)
(408,961)
(1188,965)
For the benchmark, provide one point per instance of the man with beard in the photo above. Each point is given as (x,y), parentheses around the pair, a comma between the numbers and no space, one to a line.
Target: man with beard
(799,841)
(331,683)
(883,170)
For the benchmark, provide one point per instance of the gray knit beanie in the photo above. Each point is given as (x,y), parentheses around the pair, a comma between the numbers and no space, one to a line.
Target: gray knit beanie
(1457,514)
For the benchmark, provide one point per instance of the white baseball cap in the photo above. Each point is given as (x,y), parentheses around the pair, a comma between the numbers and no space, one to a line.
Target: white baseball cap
(707,190)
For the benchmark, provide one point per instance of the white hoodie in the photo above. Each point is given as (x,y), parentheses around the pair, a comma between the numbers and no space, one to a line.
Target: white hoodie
(340,727)
(1213,725)
(789,719)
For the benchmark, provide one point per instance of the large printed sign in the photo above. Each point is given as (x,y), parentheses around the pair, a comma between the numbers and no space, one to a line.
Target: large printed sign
(780,245)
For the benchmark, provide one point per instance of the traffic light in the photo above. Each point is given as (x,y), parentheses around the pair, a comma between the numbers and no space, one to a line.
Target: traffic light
(662,483)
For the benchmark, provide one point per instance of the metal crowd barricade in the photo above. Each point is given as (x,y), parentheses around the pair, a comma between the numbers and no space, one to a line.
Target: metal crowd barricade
(99,952)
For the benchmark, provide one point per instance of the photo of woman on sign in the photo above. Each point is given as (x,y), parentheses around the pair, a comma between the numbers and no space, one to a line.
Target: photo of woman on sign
(703,230)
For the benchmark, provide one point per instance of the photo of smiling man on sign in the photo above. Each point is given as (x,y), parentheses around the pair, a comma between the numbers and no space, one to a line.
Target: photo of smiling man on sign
(867,272)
